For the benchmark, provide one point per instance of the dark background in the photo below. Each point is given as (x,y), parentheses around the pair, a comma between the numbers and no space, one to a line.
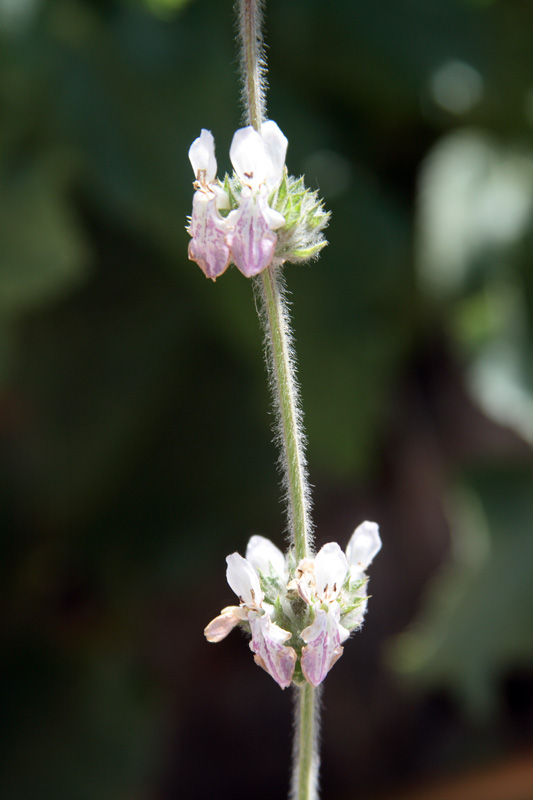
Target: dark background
(135,441)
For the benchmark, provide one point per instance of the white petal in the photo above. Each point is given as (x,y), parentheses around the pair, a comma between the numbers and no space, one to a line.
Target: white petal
(270,651)
(330,570)
(248,156)
(364,545)
(273,218)
(243,579)
(305,581)
(276,149)
(265,557)
(202,156)
(222,197)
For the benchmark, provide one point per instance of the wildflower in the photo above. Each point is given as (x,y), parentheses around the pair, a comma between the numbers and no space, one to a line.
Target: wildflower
(315,604)
(259,217)
(338,590)
(208,246)
(259,162)
(268,639)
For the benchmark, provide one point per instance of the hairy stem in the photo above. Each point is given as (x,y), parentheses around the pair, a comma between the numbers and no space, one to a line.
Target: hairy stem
(305,753)
(274,316)
(280,359)
(253,64)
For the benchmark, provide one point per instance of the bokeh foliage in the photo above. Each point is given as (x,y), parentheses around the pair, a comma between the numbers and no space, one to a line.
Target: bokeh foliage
(133,416)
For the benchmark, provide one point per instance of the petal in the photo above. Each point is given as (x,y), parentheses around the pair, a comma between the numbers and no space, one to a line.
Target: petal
(305,581)
(265,557)
(248,156)
(243,579)
(273,218)
(252,242)
(209,231)
(222,197)
(276,149)
(330,570)
(202,157)
(219,627)
(323,645)
(364,545)
(270,651)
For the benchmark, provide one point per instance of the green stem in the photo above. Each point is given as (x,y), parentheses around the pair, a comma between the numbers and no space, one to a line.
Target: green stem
(306,758)
(290,435)
(253,65)
(274,312)
(274,315)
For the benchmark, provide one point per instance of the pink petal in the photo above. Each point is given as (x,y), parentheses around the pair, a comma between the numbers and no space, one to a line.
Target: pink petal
(323,648)
(252,241)
(219,627)
(270,652)
(208,229)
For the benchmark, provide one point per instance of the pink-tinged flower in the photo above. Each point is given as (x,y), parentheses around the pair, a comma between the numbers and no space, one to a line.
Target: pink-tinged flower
(334,585)
(208,246)
(325,635)
(259,161)
(268,639)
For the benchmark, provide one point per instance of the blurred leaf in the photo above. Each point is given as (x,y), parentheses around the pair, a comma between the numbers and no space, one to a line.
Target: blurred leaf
(475,205)
(474,253)
(87,730)
(477,623)
(165,8)
(42,251)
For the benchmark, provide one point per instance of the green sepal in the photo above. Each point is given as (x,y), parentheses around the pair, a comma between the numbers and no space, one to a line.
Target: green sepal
(308,252)
(352,607)
(229,187)
(298,677)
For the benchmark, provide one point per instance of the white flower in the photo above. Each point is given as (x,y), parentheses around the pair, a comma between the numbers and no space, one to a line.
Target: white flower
(268,639)
(259,161)
(325,635)
(332,568)
(208,246)
(332,586)
(261,217)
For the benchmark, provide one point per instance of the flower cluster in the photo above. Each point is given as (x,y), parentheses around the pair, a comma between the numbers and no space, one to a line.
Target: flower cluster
(299,615)
(260,216)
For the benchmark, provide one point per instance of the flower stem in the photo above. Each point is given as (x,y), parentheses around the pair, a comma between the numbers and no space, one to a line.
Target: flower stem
(305,754)
(274,315)
(253,63)
(280,359)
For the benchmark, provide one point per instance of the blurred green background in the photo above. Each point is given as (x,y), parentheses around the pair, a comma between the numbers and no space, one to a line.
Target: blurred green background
(135,440)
